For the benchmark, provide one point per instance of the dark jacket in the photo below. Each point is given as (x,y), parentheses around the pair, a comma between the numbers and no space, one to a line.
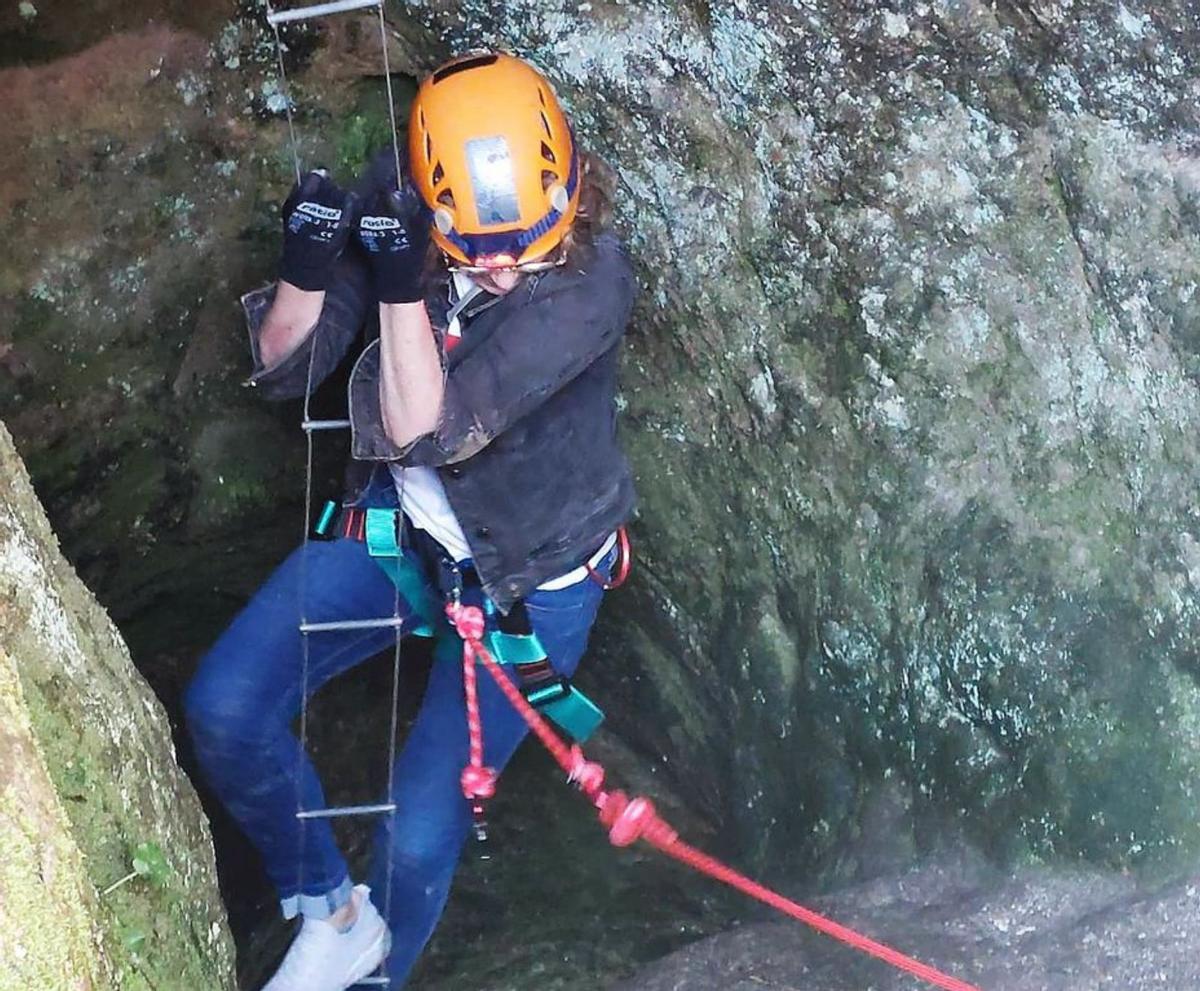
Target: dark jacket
(526,447)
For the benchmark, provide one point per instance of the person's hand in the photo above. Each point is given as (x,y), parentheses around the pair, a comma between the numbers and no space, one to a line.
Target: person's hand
(316,225)
(394,230)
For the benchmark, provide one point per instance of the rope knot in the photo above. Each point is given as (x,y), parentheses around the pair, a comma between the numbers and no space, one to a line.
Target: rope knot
(631,819)
(468,620)
(588,775)
(478,782)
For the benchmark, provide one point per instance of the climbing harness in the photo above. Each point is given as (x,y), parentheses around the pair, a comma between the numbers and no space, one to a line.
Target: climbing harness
(396,621)
(535,691)
(511,640)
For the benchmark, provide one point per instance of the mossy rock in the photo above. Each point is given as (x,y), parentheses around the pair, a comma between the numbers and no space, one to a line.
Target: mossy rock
(90,788)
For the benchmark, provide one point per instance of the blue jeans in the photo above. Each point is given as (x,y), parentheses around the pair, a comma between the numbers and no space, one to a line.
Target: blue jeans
(246,693)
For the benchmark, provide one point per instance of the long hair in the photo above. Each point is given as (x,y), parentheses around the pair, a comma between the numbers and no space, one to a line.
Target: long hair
(597,183)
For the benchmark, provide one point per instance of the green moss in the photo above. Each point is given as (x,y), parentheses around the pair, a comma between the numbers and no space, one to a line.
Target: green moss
(107,752)
(367,128)
(43,884)
(361,135)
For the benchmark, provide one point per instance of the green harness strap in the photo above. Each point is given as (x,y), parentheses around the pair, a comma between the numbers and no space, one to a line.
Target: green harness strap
(574,713)
(380,530)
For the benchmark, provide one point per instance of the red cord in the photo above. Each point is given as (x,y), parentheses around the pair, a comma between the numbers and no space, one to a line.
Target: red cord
(620,569)
(478,782)
(629,820)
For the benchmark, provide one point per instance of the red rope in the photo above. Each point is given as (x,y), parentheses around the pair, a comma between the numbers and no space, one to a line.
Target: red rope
(629,820)
(478,782)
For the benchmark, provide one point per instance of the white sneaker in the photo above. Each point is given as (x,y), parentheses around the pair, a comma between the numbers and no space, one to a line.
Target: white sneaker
(323,959)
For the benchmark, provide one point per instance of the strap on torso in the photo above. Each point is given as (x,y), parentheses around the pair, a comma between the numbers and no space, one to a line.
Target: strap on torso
(566,705)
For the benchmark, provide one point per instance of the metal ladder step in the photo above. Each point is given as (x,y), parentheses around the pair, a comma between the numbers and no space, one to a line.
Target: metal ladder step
(391,622)
(308,426)
(347,811)
(318,10)
(379,982)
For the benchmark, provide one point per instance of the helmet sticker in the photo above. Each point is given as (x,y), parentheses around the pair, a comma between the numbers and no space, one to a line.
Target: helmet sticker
(490,165)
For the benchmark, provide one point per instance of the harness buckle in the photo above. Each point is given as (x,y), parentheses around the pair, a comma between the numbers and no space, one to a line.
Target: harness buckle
(567,707)
(452,576)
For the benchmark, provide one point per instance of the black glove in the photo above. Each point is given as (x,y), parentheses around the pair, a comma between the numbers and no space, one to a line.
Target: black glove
(316,223)
(394,229)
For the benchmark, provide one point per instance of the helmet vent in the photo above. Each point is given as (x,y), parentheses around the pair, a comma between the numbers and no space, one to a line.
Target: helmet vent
(548,154)
(467,63)
(428,145)
(542,95)
(438,174)
(546,125)
(548,178)
(446,198)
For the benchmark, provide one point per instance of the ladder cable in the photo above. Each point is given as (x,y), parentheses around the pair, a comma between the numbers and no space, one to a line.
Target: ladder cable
(310,427)
(287,101)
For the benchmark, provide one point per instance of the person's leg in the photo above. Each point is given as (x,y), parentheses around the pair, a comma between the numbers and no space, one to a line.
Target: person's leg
(421,846)
(246,692)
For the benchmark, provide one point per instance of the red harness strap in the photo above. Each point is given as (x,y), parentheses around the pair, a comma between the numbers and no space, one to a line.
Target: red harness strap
(629,820)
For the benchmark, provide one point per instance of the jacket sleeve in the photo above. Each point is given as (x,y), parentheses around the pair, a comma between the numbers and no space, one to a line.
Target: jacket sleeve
(345,310)
(566,326)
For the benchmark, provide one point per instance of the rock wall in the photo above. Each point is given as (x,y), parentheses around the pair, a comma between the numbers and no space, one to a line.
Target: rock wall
(912,399)
(141,180)
(1038,930)
(90,792)
(910,392)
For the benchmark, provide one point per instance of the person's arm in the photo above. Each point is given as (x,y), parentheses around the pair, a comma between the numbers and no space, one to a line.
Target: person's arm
(292,316)
(551,340)
(284,337)
(284,320)
(410,380)
(394,230)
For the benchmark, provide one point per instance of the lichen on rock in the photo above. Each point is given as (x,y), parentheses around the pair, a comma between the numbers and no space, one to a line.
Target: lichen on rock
(910,392)
(909,397)
(87,779)
(43,882)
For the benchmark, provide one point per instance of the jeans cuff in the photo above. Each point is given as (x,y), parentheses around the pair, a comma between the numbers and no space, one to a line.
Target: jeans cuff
(317,906)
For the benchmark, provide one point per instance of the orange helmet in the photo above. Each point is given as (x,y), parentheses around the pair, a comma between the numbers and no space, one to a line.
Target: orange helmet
(492,155)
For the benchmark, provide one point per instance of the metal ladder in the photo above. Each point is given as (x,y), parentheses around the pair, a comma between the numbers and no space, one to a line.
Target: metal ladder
(310,427)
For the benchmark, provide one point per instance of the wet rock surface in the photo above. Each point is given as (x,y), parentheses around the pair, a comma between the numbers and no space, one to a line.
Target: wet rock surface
(1045,929)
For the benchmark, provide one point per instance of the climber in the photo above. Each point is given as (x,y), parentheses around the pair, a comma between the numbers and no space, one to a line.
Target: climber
(482,408)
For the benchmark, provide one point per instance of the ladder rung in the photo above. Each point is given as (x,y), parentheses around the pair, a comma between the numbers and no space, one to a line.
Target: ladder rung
(380,982)
(318,10)
(310,425)
(391,622)
(347,810)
